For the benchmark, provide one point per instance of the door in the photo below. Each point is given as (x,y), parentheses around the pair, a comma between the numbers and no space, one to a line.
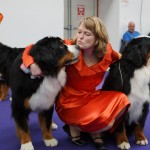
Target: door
(74,10)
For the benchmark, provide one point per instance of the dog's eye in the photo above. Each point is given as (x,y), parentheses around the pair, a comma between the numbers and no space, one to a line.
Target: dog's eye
(62,46)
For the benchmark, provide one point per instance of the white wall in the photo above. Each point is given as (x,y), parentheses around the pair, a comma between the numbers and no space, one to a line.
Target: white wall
(26,21)
(130,11)
(117,13)
(145,15)
(109,13)
(137,11)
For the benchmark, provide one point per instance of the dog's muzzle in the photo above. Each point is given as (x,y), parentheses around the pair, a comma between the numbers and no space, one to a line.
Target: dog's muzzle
(69,62)
(75,49)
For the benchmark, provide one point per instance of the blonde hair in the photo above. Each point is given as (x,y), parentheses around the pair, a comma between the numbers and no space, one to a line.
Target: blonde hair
(96,26)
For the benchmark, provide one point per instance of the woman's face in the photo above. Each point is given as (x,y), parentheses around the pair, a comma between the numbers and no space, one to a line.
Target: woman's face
(85,38)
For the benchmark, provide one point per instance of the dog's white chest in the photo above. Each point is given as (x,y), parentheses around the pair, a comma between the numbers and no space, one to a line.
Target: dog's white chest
(139,92)
(45,95)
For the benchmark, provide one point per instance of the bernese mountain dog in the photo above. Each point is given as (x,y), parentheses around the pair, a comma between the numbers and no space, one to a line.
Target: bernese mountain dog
(39,94)
(131,75)
(7,56)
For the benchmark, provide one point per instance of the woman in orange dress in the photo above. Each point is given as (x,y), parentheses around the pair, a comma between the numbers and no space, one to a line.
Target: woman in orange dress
(81,105)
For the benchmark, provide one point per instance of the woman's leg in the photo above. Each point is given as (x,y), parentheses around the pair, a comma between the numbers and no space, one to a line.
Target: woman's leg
(98,141)
(74,134)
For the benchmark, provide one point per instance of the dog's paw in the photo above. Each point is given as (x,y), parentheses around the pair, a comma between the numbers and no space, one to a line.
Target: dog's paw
(52,142)
(54,126)
(27,146)
(10,98)
(142,142)
(124,145)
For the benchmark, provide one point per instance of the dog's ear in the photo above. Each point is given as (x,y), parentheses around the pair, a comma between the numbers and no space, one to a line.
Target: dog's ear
(135,57)
(133,53)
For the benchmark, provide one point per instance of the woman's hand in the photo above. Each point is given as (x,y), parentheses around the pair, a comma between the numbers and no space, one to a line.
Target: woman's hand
(35,70)
(120,55)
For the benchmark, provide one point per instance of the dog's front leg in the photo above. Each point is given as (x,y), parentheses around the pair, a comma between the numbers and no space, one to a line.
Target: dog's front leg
(45,120)
(121,137)
(140,138)
(4,88)
(25,139)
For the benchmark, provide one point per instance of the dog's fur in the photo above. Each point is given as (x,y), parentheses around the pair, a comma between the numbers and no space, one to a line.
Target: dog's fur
(131,75)
(51,55)
(7,56)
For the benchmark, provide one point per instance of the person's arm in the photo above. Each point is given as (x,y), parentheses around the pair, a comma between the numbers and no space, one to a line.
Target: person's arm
(68,42)
(114,55)
(27,59)
(29,62)
(120,55)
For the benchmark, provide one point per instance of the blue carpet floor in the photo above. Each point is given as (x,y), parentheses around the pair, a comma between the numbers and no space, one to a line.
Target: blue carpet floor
(9,140)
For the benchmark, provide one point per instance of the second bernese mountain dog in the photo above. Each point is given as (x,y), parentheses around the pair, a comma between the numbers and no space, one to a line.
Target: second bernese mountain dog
(7,56)
(131,75)
(39,94)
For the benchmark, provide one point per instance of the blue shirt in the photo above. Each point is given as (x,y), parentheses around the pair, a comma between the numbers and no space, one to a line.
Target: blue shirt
(128,36)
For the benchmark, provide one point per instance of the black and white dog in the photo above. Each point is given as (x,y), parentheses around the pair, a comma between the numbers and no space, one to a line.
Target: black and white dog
(7,56)
(131,75)
(51,55)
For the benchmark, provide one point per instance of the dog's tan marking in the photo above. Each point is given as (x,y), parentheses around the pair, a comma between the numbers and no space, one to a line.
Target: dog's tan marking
(47,133)
(148,57)
(121,137)
(139,134)
(122,140)
(26,104)
(23,136)
(3,91)
(67,57)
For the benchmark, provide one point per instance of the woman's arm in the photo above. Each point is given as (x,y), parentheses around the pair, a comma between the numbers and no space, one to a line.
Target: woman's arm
(28,61)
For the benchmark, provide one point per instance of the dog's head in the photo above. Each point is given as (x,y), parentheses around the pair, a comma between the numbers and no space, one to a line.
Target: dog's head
(137,51)
(51,54)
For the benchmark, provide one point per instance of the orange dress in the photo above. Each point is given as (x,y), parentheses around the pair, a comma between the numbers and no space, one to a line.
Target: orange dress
(81,105)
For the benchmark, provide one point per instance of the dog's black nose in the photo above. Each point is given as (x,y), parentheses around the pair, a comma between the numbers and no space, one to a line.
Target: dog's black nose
(77,47)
